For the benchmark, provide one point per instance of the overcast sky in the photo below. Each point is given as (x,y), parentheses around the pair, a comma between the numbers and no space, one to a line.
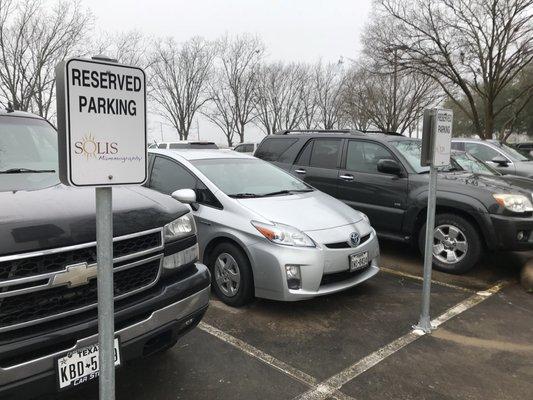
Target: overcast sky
(292,30)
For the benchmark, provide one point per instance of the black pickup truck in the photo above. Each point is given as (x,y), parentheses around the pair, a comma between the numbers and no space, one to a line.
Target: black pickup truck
(48,293)
(380,175)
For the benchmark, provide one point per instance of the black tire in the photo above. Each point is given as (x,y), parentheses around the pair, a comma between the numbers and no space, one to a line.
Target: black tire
(469,258)
(245,292)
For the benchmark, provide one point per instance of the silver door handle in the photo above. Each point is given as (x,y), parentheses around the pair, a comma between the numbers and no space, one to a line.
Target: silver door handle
(300,171)
(346,177)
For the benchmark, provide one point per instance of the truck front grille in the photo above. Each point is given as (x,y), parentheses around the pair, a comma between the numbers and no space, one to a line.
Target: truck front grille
(31,293)
(60,300)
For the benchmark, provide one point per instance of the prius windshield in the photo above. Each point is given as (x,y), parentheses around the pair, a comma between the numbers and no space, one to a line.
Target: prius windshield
(249,177)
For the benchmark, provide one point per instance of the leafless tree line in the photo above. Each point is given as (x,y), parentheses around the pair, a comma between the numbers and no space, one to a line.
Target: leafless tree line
(416,54)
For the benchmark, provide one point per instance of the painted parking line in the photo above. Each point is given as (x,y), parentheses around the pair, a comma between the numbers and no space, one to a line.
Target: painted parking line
(270,360)
(421,279)
(326,388)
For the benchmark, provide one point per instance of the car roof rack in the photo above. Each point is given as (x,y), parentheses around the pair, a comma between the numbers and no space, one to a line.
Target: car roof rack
(289,131)
(383,132)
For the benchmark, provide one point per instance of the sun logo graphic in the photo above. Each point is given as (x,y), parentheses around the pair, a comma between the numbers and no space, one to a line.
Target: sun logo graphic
(90,147)
(87,146)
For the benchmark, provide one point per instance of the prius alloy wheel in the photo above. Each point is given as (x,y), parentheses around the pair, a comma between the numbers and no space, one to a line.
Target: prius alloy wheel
(227,274)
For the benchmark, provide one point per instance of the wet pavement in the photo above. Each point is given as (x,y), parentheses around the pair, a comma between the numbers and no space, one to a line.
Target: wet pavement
(358,344)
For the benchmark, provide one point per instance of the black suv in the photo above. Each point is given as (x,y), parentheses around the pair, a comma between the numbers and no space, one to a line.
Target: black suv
(381,176)
(48,267)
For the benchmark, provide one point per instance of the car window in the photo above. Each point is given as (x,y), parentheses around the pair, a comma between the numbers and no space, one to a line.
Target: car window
(239,148)
(364,156)
(325,153)
(305,155)
(458,146)
(272,149)
(162,146)
(248,148)
(481,151)
(168,176)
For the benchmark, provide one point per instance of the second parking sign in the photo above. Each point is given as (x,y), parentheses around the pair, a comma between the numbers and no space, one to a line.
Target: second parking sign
(101,123)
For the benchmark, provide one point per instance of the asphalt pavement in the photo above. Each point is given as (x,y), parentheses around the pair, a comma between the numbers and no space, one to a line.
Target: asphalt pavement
(358,344)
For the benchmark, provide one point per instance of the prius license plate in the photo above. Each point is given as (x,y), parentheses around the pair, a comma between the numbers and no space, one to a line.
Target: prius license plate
(358,261)
(81,365)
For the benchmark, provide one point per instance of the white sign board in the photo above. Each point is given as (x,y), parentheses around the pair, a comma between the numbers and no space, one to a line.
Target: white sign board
(442,137)
(101,123)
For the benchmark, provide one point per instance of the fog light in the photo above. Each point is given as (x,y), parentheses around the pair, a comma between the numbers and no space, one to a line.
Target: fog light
(294,279)
(180,258)
(522,236)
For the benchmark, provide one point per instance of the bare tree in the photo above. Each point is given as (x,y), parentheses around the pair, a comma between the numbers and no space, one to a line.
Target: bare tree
(472,48)
(179,81)
(33,39)
(278,101)
(328,83)
(308,98)
(236,73)
(130,47)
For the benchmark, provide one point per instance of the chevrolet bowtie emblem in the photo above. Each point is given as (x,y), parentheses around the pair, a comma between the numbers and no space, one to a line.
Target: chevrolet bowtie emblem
(75,275)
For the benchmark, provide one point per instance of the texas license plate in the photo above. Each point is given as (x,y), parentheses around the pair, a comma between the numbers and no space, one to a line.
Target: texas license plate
(82,365)
(358,261)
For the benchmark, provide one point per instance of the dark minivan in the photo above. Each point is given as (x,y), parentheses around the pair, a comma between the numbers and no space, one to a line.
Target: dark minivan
(381,176)
(48,294)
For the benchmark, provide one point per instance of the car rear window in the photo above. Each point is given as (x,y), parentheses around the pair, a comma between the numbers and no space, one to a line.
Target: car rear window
(272,149)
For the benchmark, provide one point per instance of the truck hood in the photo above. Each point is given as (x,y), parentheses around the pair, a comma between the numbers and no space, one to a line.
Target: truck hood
(306,211)
(490,183)
(59,215)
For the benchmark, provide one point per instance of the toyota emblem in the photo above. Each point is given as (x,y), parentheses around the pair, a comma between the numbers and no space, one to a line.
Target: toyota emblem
(354,239)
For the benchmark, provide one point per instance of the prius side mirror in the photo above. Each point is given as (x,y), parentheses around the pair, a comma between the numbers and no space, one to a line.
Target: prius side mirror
(186,196)
(501,161)
(388,166)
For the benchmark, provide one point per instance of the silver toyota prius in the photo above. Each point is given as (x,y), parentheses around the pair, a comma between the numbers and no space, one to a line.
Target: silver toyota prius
(263,232)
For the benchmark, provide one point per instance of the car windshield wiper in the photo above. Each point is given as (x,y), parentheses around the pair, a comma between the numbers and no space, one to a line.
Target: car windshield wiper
(25,171)
(287,191)
(244,195)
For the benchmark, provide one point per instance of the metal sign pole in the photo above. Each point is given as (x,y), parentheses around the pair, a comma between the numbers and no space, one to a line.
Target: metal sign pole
(425,323)
(106,315)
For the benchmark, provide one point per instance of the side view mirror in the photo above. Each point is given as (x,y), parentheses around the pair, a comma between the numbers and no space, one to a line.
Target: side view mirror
(186,196)
(388,166)
(501,161)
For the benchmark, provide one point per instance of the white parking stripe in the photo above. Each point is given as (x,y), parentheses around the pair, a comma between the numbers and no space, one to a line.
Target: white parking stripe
(326,388)
(269,360)
(419,278)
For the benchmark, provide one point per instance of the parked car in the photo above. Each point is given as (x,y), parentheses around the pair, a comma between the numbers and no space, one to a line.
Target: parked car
(184,144)
(504,158)
(381,176)
(264,233)
(246,148)
(48,294)
(524,148)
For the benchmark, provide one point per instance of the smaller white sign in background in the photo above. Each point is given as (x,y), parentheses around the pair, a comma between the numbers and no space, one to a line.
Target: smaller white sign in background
(442,137)
(102,115)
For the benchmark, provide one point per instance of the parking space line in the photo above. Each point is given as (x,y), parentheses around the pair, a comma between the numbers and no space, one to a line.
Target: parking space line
(270,360)
(326,388)
(421,279)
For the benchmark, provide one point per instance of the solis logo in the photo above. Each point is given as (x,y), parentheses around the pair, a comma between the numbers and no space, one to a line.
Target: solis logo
(92,148)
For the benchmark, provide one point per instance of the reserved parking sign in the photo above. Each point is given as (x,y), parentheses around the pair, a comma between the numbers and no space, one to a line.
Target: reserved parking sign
(101,108)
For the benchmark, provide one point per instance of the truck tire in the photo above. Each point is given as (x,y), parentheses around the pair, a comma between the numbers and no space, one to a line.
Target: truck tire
(456,246)
(231,275)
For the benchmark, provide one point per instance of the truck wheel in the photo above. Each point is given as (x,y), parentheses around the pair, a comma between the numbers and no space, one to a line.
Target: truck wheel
(456,245)
(231,275)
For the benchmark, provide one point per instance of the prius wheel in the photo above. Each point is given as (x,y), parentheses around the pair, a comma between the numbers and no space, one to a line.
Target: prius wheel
(456,244)
(231,275)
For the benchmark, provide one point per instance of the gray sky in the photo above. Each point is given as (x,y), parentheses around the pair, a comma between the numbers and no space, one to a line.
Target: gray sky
(292,30)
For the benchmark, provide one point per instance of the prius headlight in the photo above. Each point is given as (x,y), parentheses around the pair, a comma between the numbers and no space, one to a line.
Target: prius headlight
(514,202)
(181,227)
(284,234)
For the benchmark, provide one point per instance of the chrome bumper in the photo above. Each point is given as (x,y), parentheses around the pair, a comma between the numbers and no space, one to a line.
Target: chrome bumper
(168,314)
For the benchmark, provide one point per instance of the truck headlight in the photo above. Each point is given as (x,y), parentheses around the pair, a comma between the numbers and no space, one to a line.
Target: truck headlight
(284,234)
(179,228)
(514,202)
